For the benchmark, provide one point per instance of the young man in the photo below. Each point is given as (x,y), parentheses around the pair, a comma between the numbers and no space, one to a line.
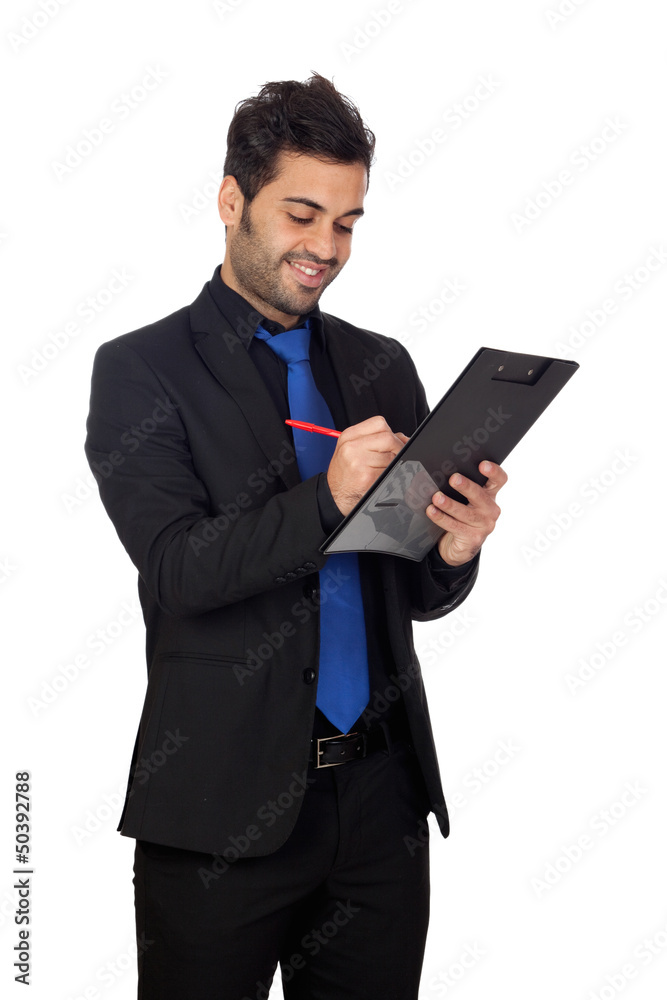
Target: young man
(284,765)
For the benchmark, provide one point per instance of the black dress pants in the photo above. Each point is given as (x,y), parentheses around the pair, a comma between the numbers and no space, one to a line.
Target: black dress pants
(343,905)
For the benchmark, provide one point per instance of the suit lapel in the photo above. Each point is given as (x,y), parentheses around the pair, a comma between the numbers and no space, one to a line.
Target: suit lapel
(226,357)
(348,360)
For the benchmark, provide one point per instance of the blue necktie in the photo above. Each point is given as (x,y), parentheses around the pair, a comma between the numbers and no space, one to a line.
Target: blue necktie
(342,686)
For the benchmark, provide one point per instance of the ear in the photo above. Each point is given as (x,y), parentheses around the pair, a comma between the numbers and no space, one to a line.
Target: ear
(230,201)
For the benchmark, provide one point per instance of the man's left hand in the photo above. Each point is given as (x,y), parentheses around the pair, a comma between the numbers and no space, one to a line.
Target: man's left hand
(467,525)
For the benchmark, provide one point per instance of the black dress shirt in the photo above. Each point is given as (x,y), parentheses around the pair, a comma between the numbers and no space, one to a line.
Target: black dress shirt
(244,319)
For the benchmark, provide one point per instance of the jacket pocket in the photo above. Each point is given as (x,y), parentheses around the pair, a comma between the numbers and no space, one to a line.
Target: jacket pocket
(207,658)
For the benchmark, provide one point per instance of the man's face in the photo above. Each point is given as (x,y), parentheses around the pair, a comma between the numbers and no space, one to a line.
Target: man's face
(301,222)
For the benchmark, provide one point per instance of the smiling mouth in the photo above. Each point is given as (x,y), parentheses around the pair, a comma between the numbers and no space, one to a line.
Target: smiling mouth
(311,277)
(306,270)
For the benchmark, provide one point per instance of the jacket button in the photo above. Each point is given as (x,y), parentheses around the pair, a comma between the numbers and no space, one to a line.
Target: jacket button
(280,579)
(290,576)
(309,675)
(309,565)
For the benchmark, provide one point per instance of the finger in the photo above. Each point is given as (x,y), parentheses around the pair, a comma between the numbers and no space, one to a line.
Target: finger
(477,496)
(372,425)
(383,441)
(373,451)
(377,459)
(473,515)
(496,476)
(471,535)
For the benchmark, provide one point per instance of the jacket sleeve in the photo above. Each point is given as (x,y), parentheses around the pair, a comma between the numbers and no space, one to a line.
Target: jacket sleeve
(161,509)
(436,593)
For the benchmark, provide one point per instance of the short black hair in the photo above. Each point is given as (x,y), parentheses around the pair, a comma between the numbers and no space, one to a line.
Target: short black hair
(312,118)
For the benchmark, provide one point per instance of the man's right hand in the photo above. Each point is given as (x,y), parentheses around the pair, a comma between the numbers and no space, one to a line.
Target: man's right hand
(362,452)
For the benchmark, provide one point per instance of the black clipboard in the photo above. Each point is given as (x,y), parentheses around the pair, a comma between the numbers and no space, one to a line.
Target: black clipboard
(486,412)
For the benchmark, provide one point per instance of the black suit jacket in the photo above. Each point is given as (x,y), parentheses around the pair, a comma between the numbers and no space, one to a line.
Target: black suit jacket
(198,474)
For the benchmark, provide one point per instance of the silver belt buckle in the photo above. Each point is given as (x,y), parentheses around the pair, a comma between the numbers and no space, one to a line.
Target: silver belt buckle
(327,739)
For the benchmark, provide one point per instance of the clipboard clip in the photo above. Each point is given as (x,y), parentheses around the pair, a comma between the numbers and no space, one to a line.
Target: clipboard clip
(526,371)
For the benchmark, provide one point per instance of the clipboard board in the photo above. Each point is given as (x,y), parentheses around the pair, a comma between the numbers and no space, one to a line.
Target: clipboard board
(495,400)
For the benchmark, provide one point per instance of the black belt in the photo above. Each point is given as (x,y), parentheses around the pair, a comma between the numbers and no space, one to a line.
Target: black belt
(331,750)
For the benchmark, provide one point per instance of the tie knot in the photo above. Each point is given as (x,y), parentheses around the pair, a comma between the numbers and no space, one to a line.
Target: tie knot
(291,346)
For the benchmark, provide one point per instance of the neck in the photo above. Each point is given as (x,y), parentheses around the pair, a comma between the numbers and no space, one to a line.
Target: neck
(265,308)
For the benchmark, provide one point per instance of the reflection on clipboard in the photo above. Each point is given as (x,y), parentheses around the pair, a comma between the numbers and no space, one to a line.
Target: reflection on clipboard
(394,515)
(495,400)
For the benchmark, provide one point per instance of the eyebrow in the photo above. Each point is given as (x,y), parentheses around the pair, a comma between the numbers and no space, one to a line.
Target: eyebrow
(320,208)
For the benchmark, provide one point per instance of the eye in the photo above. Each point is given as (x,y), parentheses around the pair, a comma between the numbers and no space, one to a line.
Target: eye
(345,229)
(298,219)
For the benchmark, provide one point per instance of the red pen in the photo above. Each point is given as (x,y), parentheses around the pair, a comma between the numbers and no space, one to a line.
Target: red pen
(313,427)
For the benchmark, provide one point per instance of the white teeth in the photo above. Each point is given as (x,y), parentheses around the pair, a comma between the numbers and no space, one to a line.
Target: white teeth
(306,270)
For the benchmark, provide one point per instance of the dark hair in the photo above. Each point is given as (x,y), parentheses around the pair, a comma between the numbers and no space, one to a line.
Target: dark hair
(312,118)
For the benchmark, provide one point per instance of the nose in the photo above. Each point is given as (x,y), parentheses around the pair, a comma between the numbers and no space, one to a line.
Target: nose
(321,241)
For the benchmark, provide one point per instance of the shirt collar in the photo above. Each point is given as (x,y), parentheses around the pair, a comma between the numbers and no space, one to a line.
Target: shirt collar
(244,318)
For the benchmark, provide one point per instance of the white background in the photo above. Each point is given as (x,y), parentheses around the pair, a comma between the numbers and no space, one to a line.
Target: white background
(555,588)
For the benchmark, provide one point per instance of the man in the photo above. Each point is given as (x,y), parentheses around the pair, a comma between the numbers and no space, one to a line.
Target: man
(261,837)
